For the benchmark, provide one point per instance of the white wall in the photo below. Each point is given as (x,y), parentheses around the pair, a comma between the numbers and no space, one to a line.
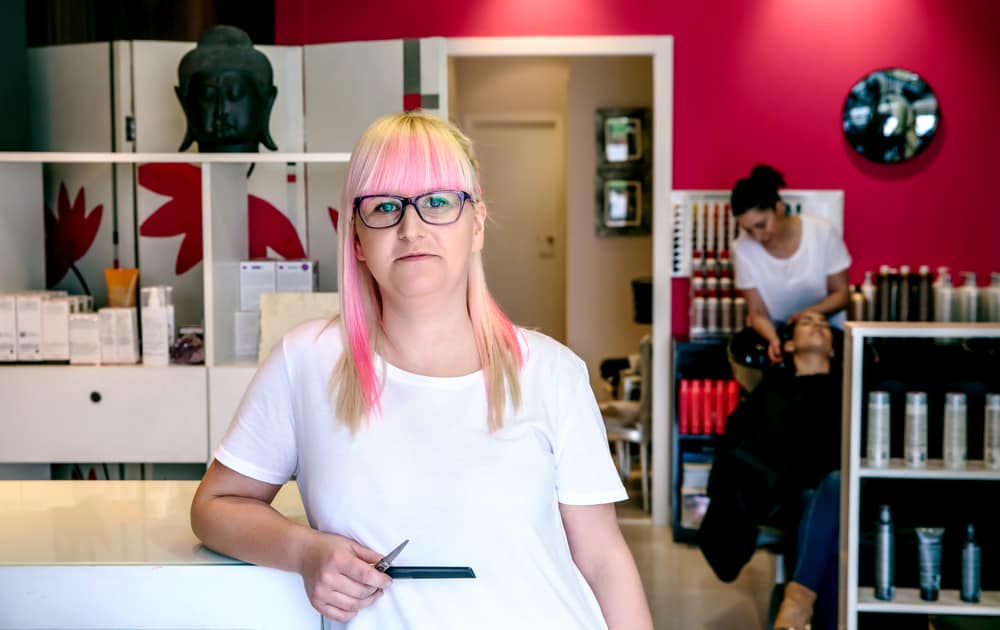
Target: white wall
(600,269)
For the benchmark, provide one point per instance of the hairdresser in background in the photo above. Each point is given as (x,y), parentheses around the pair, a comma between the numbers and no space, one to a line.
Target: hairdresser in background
(785,265)
(423,413)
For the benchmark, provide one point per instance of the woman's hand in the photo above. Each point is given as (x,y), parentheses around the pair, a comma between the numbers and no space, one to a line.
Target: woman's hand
(339,577)
(774,350)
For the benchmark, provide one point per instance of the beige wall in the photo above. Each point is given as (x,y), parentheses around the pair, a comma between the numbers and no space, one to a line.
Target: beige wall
(600,269)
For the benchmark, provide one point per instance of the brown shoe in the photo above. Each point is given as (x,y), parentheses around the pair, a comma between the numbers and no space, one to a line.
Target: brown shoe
(796,608)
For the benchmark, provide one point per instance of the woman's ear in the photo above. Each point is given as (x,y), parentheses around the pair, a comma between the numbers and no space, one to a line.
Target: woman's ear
(779,207)
(479,226)
(789,347)
(359,253)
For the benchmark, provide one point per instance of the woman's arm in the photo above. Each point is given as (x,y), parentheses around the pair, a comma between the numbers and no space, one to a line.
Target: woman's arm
(759,319)
(598,549)
(231,513)
(838,295)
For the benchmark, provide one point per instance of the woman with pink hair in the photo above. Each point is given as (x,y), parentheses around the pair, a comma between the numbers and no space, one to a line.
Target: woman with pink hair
(422,413)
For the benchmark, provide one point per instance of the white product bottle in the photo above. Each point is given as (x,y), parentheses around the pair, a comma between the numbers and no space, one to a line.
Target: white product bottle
(990,303)
(991,442)
(878,429)
(967,297)
(155,326)
(955,443)
(915,430)
(944,299)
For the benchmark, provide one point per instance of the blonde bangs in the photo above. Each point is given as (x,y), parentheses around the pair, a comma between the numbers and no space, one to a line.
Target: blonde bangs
(411,153)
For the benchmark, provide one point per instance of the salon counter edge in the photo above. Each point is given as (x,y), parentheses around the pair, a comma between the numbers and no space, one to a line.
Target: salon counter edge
(99,554)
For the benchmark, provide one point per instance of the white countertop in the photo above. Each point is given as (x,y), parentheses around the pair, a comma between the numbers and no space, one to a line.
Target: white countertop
(109,523)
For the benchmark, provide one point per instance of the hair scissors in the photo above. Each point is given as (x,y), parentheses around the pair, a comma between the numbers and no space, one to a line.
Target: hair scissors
(384,564)
(419,573)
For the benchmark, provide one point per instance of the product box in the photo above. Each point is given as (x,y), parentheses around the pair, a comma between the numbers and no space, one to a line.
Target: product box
(8,328)
(55,328)
(246,337)
(295,276)
(29,326)
(108,327)
(84,339)
(256,277)
(126,334)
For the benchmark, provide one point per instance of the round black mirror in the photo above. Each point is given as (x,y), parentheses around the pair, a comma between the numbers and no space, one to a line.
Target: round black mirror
(890,115)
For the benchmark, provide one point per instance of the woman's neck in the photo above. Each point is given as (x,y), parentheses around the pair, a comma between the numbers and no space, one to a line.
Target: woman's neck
(786,237)
(809,363)
(430,337)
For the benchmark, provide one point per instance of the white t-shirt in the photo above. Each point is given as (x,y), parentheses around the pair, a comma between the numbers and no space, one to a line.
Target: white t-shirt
(787,285)
(428,470)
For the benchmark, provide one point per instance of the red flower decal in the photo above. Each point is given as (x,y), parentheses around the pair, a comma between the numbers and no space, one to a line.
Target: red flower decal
(268,227)
(334,216)
(180,215)
(69,233)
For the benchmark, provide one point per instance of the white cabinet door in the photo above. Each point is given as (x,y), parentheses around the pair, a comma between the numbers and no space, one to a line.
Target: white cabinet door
(103,414)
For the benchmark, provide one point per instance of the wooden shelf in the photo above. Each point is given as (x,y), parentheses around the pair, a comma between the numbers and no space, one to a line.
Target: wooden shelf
(897,469)
(907,601)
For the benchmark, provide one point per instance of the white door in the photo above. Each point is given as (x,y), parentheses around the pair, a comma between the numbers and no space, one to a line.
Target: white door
(522,162)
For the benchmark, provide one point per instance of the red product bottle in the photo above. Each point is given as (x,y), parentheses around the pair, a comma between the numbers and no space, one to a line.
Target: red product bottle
(720,407)
(707,415)
(732,396)
(696,407)
(684,415)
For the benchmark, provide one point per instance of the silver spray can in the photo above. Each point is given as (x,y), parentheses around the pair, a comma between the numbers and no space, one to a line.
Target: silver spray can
(955,442)
(915,430)
(878,429)
(991,444)
(885,556)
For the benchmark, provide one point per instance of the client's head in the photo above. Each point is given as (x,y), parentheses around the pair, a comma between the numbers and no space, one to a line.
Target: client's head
(811,344)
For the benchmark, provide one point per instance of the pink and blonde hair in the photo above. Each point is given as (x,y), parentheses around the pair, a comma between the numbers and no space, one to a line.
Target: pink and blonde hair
(412,151)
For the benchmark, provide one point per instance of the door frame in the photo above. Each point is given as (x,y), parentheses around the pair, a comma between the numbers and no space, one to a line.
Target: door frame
(661,50)
(556,120)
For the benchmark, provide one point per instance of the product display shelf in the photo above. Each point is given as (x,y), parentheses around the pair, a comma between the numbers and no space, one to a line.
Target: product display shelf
(907,600)
(705,358)
(935,469)
(858,598)
(198,401)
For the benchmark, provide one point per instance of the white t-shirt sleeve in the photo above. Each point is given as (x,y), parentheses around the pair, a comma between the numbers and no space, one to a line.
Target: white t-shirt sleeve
(837,257)
(743,268)
(585,472)
(260,442)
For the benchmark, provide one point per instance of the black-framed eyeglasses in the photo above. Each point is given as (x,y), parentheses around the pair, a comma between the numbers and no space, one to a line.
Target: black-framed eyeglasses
(438,207)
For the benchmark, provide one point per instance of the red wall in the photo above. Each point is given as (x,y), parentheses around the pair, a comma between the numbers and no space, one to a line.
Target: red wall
(765,81)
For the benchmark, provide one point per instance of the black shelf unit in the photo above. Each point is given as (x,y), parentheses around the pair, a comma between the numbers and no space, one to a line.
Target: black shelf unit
(699,359)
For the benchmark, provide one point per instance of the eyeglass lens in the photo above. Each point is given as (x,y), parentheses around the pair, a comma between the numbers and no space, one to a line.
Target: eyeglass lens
(439,207)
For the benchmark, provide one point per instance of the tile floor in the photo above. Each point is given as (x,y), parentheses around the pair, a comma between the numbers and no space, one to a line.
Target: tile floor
(683,592)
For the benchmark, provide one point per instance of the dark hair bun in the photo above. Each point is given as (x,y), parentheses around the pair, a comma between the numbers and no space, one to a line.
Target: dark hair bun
(766,177)
(757,192)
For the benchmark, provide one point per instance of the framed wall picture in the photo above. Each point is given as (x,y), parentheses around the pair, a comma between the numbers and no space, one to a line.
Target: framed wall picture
(623,204)
(623,136)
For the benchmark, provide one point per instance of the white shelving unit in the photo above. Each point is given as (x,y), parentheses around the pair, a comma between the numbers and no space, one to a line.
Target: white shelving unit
(142,414)
(858,598)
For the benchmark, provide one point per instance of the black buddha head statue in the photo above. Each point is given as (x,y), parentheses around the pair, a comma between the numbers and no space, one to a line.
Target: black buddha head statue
(227,92)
